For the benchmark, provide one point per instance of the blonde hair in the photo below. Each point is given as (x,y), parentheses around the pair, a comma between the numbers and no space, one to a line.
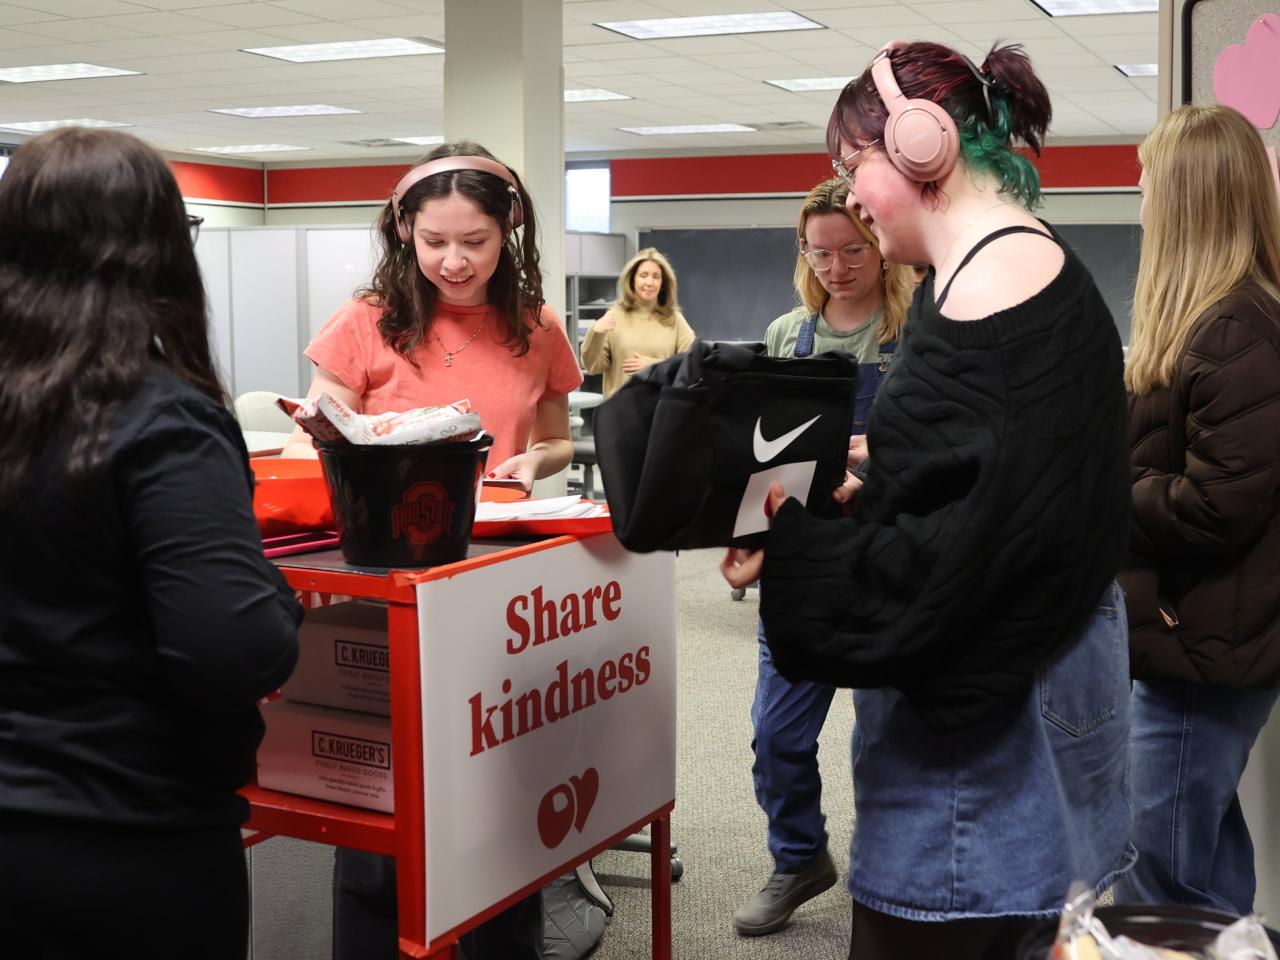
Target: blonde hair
(897,283)
(1212,224)
(667,306)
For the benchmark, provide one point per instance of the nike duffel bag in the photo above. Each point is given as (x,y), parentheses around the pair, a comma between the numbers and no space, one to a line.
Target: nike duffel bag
(689,447)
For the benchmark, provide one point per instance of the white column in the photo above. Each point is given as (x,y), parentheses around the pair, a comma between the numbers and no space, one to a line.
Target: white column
(504,89)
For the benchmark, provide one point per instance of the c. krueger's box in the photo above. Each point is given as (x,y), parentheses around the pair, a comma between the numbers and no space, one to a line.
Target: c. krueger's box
(338,755)
(342,658)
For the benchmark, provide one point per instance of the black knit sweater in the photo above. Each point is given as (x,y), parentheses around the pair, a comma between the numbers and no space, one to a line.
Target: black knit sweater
(993,515)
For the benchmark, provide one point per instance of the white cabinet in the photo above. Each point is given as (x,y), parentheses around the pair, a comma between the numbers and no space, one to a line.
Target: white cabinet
(264,310)
(213,252)
(592,264)
(338,263)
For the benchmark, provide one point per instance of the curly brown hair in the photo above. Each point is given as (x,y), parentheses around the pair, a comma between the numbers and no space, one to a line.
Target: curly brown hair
(408,299)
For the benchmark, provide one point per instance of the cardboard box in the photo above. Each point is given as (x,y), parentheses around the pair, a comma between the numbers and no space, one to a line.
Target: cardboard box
(342,659)
(343,756)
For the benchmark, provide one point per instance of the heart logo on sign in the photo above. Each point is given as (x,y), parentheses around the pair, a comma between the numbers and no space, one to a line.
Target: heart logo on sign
(566,806)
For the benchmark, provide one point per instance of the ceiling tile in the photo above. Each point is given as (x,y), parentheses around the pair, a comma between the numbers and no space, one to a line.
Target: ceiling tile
(976,11)
(341,9)
(594,11)
(251,15)
(1144,23)
(85,8)
(985,32)
(78,31)
(13,16)
(319,31)
(159,24)
(577,33)
(412,25)
(887,15)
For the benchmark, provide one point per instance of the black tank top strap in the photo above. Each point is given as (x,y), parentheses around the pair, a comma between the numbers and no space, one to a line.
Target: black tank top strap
(973,252)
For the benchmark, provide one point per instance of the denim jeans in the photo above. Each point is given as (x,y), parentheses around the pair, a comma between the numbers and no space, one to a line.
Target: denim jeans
(997,819)
(786,719)
(1188,749)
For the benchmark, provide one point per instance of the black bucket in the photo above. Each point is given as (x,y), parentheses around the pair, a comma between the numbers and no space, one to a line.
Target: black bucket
(404,506)
(1175,928)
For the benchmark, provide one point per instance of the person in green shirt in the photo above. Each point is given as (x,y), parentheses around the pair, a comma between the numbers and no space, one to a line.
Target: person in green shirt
(853,301)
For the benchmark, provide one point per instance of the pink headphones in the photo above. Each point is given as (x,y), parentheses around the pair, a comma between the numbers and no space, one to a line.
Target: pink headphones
(920,137)
(444,165)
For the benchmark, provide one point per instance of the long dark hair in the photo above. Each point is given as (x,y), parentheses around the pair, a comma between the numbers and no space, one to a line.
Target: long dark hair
(408,299)
(98,281)
(1016,107)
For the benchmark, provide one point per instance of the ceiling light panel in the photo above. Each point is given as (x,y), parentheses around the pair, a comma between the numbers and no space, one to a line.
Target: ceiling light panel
(61,71)
(251,148)
(39,126)
(808,84)
(301,110)
(1138,69)
(348,50)
(668,27)
(418,141)
(689,128)
(591,95)
(1084,8)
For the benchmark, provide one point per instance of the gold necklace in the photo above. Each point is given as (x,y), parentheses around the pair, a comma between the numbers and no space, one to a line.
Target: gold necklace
(450,354)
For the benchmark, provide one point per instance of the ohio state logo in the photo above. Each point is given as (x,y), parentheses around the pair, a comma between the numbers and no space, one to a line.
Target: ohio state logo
(424,515)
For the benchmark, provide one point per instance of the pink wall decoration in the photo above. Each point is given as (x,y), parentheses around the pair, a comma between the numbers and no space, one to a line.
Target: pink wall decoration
(1247,76)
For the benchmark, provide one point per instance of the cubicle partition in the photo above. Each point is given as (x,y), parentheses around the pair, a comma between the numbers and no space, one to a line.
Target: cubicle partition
(270,290)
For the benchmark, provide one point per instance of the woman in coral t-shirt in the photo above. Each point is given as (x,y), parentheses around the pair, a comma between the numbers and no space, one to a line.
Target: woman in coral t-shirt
(455,311)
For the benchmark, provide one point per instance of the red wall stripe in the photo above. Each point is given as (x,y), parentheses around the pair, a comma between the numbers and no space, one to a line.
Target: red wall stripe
(333,184)
(1110,165)
(1113,165)
(207,181)
(690,176)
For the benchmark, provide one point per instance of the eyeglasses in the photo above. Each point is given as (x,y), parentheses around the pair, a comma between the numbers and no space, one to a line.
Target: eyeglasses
(193,224)
(847,167)
(854,255)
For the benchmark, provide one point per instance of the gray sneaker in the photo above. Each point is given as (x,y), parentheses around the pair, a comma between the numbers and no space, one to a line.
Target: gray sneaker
(770,909)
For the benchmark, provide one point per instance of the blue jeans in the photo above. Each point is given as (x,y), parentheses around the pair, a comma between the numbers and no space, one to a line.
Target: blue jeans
(998,818)
(1188,748)
(786,719)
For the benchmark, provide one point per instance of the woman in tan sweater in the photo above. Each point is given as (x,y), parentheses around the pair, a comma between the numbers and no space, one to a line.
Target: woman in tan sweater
(643,327)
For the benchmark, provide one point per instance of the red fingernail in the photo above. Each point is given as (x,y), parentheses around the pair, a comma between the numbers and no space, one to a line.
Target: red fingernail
(493,473)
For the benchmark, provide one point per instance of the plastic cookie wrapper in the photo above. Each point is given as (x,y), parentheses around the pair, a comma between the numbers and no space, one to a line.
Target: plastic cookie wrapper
(1082,936)
(329,420)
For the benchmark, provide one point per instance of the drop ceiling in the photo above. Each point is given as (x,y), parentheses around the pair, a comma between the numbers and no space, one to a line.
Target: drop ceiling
(190,60)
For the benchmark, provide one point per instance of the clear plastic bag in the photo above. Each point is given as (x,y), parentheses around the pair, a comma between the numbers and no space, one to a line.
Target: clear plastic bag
(1082,936)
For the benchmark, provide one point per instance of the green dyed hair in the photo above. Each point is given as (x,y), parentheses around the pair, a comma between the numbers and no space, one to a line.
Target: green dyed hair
(988,149)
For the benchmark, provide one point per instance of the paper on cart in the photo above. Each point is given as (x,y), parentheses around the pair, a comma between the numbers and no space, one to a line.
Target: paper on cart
(552,508)
(328,419)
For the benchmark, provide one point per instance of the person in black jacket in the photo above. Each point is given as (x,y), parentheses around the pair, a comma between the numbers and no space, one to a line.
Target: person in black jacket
(139,620)
(1203,577)
(969,598)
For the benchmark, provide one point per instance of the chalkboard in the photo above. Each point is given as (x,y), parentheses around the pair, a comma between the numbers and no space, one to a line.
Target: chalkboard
(734,281)
(1110,251)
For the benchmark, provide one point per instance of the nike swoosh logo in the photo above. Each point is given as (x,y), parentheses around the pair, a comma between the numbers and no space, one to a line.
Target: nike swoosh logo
(766,450)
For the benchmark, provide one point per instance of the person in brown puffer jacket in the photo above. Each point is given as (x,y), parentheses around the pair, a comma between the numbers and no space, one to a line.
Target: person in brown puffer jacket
(1203,584)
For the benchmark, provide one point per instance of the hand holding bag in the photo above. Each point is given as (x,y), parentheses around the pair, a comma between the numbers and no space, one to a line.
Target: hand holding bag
(689,447)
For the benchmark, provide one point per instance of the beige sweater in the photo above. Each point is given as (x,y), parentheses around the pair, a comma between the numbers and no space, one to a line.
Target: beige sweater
(637,331)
